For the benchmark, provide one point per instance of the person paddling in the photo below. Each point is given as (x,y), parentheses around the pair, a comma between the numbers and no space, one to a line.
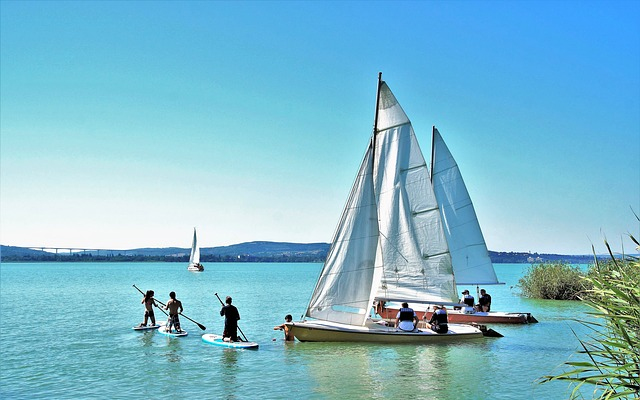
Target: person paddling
(231,317)
(175,307)
(148,302)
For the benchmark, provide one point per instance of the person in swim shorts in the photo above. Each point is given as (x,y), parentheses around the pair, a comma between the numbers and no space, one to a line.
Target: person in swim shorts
(175,307)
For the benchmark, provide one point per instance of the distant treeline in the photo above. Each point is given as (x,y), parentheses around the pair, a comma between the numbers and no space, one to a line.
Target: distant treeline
(317,257)
(142,258)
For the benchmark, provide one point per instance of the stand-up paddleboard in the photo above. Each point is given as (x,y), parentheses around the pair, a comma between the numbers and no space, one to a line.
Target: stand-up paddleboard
(163,330)
(145,327)
(216,340)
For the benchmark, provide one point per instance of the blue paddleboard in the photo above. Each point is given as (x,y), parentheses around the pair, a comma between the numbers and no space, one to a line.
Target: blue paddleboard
(163,330)
(216,340)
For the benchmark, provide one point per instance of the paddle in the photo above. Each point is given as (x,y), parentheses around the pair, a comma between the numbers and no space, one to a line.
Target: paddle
(245,338)
(164,305)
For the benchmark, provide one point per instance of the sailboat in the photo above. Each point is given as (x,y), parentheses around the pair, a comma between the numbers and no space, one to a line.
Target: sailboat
(194,259)
(468,249)
(389,244)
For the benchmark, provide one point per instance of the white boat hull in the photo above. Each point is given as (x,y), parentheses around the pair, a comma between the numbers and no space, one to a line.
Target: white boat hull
(322,331)
(195,268)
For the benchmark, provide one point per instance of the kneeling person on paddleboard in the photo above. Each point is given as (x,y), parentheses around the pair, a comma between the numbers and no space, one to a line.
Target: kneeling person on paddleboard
(231,317)
(173,305)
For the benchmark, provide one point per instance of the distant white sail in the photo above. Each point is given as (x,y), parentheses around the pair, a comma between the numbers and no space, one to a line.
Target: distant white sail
(195,250)
(469,254)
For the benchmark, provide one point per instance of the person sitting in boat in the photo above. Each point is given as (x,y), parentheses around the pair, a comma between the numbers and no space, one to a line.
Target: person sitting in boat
(484,303)
(467,299)
(406,320)
(439,320)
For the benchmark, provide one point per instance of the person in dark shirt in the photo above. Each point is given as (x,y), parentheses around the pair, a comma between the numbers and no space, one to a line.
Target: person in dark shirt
(484,303)
(231,317)
(467,299)
(439,320)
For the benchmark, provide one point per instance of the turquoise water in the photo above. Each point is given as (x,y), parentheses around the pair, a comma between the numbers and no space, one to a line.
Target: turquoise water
(66,334)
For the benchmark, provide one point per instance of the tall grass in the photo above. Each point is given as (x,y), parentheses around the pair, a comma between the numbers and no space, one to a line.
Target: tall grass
(612,347)
(555,281)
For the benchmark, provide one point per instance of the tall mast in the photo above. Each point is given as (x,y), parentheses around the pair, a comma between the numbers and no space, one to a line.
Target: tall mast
(375,120)
(433,151)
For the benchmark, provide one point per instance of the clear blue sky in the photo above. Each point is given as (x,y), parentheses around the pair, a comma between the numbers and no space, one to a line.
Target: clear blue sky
(126,124)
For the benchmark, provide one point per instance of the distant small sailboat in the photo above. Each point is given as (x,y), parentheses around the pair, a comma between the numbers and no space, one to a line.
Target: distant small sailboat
(194,260)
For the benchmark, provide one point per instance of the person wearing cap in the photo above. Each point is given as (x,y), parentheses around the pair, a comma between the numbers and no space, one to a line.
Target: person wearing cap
(467,299)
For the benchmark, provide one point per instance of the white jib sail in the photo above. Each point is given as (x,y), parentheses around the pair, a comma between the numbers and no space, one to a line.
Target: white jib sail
(195,250)
(469,254)
(415,256)
(343,290)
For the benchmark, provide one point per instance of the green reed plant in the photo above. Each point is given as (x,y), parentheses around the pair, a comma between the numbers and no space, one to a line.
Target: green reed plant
(557,281)
(612,348)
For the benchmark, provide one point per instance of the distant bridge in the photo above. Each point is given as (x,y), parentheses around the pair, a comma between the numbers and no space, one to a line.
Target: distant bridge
(77,250)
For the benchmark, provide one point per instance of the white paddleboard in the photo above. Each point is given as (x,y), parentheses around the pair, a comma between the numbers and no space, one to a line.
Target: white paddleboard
(145,328)
(163,330)
(216,340)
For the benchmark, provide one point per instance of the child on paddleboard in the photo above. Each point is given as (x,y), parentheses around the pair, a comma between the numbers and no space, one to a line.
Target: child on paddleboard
(149,302)
(175,307)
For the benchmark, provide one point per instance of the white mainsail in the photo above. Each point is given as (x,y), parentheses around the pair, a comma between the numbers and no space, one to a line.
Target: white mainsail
(415,256)
(195,250)
(469,254)
(389,243)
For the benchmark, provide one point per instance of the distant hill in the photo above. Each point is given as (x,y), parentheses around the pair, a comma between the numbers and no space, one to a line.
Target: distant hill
(259,251)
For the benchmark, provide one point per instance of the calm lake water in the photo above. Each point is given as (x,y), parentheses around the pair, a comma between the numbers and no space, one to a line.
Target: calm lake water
(65,333)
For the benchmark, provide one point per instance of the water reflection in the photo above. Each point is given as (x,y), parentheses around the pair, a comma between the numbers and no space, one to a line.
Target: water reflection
(229,362)
(370,371)
(173,350)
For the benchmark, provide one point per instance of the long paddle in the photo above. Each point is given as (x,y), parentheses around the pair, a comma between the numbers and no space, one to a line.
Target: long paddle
(245,338)
(164,305)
